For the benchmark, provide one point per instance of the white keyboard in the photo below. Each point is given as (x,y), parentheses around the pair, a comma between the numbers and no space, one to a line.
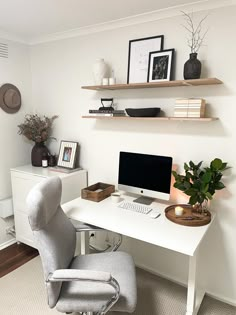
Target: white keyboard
(137,207)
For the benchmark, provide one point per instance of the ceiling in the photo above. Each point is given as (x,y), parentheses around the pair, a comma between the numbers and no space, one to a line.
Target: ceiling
(31,19)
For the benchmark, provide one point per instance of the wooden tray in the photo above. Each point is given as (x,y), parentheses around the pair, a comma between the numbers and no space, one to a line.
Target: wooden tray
(97,192)
(189,216)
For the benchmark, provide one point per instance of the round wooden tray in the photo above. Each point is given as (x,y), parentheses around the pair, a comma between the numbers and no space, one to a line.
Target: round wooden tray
(189,216)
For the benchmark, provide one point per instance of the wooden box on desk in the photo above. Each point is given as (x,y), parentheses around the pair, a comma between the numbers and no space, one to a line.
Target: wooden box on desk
(97,192)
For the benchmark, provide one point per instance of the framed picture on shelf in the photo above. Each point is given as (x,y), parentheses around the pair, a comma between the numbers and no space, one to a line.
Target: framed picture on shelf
(139,50)
(160,65)
(67,154)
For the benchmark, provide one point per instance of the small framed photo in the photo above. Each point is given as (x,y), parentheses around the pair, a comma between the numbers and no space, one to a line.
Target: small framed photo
(67,154)
(139,50)
(160,65)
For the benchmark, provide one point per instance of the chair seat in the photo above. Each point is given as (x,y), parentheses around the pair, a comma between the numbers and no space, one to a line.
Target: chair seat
(91,296)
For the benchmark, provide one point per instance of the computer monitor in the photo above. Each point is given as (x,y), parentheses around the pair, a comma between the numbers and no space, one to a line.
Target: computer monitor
(145,175)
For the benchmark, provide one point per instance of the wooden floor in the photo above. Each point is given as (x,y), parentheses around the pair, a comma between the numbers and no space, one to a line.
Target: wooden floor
(14,256)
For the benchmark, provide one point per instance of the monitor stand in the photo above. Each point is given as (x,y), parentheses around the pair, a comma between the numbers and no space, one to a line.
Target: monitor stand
(144,200)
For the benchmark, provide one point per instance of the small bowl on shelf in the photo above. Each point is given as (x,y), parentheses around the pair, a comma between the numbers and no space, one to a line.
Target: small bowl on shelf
(143,112)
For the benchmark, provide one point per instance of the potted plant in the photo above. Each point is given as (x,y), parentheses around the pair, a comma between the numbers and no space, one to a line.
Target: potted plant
(38,129)
(200,183)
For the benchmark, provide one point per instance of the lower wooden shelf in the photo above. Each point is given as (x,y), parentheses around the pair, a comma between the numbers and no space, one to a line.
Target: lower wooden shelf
(205,119)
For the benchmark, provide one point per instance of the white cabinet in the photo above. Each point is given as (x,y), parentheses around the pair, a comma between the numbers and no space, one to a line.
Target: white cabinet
(23,179)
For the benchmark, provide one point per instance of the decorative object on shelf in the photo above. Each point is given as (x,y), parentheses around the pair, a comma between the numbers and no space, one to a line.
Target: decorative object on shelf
(100,71)
(143,112)
(97,192)
(10,98)
(160,65)
(52,160)
(45,160)
(200,183)
(139,50)
(67,154)
(187,216)
(37,129)
(192,67)
(107,104)
(190,107)
(179,210)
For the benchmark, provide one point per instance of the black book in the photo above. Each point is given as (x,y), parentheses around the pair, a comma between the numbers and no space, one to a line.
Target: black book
(105,111)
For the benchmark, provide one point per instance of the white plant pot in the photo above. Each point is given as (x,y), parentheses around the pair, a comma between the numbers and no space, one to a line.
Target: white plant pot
(100,71)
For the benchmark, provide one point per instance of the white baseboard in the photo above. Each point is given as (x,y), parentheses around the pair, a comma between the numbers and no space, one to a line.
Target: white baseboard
(7,243)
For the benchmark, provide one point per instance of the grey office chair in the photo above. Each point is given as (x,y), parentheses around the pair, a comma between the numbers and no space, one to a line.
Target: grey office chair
(90,284)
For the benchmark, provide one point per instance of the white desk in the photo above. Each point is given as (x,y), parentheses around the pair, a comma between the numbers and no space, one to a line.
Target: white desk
(160,232)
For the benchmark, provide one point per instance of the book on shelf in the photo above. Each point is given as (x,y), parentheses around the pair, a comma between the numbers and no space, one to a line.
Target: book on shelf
(190,101)
(60,169)
(104,111)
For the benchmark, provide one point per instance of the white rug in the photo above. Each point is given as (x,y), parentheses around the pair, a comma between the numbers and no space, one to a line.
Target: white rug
(22,291)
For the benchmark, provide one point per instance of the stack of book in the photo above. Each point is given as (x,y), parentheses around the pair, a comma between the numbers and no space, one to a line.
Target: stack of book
(190,107)
(107,112)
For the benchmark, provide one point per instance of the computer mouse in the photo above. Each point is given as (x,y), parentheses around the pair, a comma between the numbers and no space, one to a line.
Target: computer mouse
(154,214)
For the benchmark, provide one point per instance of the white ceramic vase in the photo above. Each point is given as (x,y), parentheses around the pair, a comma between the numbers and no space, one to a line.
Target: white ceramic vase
(100,71)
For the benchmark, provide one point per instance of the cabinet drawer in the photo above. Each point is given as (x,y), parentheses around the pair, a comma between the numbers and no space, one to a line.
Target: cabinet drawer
(24,233)
(20,189)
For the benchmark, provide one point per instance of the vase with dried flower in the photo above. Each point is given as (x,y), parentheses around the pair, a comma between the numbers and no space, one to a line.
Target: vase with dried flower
(37,129)
(193,66)
(200,183)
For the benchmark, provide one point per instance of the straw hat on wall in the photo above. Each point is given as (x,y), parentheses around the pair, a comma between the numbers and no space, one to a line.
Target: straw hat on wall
(10,98)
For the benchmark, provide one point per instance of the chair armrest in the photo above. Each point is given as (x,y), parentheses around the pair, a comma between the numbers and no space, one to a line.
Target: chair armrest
(77,275)
(83,227)
(88,275)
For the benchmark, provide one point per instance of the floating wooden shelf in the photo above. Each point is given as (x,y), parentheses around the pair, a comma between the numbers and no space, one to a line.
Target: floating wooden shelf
(196,82)
(205,119)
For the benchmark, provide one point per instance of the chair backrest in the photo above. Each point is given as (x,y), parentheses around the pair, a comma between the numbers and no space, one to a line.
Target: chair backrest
(54,234)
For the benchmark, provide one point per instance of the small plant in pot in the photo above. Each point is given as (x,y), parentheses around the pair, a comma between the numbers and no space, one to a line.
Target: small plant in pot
(38,129)
(200,183)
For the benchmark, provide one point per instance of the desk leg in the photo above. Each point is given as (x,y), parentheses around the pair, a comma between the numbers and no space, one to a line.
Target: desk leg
(84,242)
(194,298)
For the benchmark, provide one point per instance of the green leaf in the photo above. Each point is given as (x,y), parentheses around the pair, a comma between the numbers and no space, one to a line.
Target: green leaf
(191,164)
(174,174)
(206,177)
(193,200)
(186,167)
(209,196)
(216,164)
(191,192)
(219,186)
(187,185)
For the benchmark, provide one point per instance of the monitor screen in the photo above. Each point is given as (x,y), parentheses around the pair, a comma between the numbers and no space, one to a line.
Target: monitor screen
(143,174)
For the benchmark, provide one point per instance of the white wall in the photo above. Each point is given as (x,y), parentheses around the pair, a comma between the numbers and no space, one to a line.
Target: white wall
(59,70)
(14,149)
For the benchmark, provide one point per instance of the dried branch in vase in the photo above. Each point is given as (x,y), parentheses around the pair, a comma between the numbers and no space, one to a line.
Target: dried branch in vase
(196,33)
(36,128)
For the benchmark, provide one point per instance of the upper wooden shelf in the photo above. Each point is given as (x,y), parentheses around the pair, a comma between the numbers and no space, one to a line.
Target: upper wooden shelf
(196,82)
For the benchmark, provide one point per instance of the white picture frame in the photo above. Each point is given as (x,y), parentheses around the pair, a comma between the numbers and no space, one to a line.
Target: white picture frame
(138,57)
(67,154)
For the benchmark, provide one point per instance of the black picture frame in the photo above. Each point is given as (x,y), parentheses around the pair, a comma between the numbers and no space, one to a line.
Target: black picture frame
(67,154)
(138,57)
(160,65)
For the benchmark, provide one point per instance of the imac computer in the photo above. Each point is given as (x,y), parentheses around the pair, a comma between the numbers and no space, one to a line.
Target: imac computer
(145,175)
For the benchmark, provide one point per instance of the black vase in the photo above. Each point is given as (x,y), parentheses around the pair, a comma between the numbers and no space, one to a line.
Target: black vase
(192,67)
(37,153)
